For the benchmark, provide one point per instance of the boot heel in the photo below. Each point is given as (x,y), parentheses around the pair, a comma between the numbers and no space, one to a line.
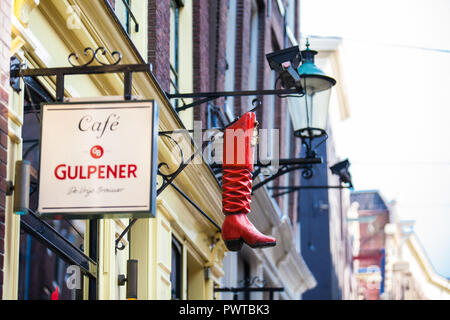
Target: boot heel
(234,245)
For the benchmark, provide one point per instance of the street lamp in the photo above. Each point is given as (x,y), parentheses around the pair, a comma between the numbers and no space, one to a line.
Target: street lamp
(309,115)
(309,110)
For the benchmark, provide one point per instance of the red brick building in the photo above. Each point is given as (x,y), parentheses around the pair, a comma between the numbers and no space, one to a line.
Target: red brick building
(230,40)
(232,62)
(374,214)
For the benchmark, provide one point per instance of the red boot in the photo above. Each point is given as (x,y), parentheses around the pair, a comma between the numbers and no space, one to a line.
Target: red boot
(237,186)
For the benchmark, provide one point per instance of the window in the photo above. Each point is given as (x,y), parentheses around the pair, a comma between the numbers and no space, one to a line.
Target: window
(230,54)
(122,13)
(290,14)
(132,16)
(176,273)
(174,45)
(254,34)
(125,15)
(42,270)
(243,271)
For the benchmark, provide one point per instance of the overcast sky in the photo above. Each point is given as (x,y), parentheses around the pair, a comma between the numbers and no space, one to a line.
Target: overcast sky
(396,64)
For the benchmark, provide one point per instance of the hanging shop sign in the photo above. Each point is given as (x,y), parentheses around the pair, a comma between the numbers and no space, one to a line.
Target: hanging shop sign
(98,159)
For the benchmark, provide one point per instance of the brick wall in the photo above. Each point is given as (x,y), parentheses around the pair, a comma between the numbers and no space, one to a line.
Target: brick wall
(202,52)
(159,40)
(221,41)
(209,62)
(270,38)
(5,43)
(242,58)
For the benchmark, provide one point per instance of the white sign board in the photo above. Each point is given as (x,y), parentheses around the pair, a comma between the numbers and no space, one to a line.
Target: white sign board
(98,159)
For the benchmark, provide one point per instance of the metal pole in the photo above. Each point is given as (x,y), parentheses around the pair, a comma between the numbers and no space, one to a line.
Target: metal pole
(196,207)
(60,86)
(233,93)
(93,254)
(127,85)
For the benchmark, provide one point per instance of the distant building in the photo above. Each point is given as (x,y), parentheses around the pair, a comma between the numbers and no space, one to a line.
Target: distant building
(324,238)
(325,241)
(373,215)
(409,274)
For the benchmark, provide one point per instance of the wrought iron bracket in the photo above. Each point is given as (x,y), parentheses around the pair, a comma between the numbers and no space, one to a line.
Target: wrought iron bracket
(285,166)
(254,284)
(47,235)
(290,189)
(209,96)
(93,56)
(111,65)
(168,178)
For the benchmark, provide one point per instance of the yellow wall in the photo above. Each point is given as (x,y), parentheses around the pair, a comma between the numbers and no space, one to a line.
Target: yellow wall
(46,41)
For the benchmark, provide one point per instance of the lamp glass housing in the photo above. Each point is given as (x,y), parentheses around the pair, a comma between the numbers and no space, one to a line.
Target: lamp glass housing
(309,113)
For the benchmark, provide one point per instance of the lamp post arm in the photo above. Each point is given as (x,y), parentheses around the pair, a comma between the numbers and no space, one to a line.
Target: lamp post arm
(287,165)
(208,96)
(282,162)
(283,170)
(290,189)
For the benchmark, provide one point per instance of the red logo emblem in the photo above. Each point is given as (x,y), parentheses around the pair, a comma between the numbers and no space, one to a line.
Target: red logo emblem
(96,152)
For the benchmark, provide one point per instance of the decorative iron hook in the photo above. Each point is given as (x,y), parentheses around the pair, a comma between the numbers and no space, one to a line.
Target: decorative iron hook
(256,104)
(256,281)
(168,176)
(94,56)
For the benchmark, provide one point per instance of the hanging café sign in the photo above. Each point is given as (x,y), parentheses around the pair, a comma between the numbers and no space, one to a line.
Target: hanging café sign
(98,159)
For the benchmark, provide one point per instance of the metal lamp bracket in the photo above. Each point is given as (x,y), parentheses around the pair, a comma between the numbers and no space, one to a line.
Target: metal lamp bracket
(209,96)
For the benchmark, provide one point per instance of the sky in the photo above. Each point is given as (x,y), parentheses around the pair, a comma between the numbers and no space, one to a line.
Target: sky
(396,68)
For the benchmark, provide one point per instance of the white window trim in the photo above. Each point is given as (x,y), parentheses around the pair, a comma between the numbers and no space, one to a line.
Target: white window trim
(281,8)
(291,36)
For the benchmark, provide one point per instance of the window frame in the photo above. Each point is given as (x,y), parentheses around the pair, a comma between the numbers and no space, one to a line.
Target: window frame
(47,235)
(178,276)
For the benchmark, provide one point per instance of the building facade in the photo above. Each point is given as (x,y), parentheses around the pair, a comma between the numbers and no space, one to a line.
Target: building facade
(325,239)
(374,213)
(390,262)
(409,274)
(191,46)
(179,252)
(5,44)
(258,28)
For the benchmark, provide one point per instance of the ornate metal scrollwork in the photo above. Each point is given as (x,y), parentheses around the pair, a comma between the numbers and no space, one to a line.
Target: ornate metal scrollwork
(254,281)
(256,103)
(94,56)
(168,176)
